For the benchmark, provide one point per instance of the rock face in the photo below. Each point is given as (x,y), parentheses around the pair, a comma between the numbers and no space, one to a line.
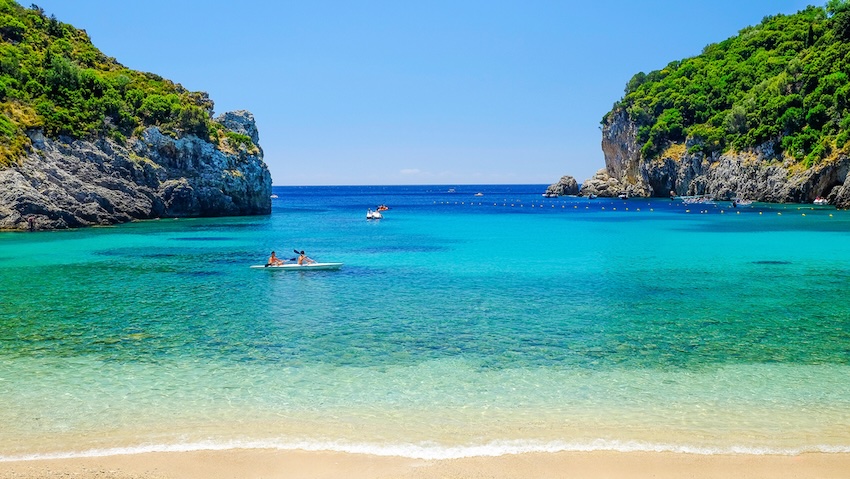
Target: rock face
(66,184)
(760,174)
(567,185)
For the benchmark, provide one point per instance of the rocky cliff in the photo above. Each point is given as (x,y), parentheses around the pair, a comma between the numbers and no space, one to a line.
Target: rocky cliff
(73,183)
(759,174)
(567,185)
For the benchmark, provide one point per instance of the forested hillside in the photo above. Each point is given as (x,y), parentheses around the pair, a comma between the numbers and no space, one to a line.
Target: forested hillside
(785,81)
(54,79)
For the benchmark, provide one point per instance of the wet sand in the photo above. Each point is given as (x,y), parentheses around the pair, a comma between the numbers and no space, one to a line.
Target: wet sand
(269,464)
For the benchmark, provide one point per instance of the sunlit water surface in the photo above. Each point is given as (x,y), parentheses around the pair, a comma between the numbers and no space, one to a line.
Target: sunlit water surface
(459,325)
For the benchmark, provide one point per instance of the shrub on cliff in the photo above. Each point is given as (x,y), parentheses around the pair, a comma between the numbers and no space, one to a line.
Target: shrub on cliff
(52,69)
(786,80)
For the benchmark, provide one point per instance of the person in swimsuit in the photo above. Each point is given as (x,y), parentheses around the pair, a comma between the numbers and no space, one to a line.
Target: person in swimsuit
(274,260)
(303,259)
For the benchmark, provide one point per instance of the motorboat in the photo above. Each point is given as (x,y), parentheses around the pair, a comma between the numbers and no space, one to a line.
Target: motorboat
(479,194)
(821,201)
(373,215)
(623,196)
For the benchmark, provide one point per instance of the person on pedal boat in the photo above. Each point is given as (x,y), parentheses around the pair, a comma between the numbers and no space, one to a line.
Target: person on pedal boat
(303,259)
(274,260)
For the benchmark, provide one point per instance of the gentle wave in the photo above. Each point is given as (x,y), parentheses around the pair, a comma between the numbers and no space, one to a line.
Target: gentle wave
(438,452)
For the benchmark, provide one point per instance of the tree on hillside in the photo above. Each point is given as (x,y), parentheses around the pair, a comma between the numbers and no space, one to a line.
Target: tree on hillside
(785,81)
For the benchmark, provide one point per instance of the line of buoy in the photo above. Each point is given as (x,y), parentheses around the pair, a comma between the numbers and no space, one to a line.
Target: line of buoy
(534,204)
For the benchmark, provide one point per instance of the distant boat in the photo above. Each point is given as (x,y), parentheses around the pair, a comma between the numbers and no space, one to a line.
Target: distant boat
(591,196)
(273,196)
(821,201)
(623,196)
(479,194)
(373,215)
(451,190)
(383,208)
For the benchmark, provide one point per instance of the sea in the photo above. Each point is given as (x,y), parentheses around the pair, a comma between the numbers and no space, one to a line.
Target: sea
(472,320)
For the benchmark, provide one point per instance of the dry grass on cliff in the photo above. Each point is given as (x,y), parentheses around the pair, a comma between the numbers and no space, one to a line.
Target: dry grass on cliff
(675,152)
(14,118)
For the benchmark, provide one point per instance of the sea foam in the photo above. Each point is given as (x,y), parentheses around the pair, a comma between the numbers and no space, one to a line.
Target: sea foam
(430,451)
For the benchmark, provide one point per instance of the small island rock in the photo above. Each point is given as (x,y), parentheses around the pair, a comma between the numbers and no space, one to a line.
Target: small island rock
(567,185)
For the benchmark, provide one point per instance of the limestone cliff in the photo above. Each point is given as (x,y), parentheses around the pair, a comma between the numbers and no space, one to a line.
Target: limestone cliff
(759,174)
(73,183)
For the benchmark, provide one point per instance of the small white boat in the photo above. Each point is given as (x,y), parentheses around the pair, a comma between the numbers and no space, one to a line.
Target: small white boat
(821,201)
(623,196)
(273,197)
(479,194)
(300,267)
(373,215)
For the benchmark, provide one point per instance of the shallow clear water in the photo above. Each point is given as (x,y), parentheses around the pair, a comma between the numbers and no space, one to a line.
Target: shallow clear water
(458,325)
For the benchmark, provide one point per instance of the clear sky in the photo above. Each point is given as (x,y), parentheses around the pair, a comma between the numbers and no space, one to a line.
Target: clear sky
(404,92)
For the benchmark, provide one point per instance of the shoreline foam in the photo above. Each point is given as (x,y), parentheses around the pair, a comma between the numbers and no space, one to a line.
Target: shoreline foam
(433,451)
(268,464)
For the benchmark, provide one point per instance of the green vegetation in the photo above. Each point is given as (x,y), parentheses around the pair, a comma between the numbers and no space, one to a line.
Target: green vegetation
(786,80)
(53,78)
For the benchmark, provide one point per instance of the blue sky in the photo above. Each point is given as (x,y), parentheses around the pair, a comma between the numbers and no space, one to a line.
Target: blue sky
(431,92)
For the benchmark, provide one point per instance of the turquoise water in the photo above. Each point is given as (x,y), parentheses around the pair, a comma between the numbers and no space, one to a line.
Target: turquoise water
(459,325)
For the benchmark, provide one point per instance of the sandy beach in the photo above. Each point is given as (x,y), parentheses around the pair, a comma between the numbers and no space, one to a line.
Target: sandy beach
(247,464)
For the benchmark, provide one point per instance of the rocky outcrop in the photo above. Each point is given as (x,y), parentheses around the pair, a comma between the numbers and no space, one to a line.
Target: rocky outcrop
(760,174)
(567,185)
(72,183)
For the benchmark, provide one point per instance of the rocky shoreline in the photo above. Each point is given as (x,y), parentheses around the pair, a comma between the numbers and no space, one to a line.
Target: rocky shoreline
(758,175)
(68,183)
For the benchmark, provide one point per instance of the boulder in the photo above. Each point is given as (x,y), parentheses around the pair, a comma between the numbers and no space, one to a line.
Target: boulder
(567,185)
